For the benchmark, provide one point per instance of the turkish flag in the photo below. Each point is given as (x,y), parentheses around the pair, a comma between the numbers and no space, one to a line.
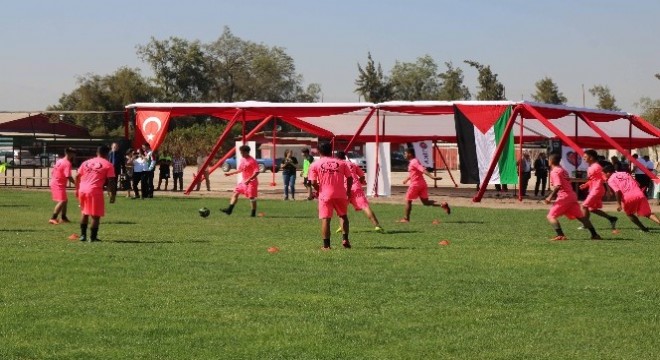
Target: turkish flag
(152,127)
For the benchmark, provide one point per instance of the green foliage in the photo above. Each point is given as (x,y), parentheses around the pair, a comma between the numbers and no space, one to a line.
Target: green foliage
(191,139)
(649,110)
(606,100)
(489,87)
(168,284)
(106,93)
(180,67)
(415,81)
(371,82)
(452,87)
(547,92)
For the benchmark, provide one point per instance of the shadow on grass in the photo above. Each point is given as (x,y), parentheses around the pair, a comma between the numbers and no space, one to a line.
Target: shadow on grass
(18,230)
(286,217)
(120,222)
(464,222)
(394,232)
(139,242)
(11,205)
(384,247)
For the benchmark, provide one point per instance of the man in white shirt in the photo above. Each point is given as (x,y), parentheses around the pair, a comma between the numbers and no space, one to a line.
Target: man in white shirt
(641,178)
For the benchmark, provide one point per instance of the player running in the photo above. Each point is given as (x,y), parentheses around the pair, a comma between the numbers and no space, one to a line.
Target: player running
(333,181)
(418,187)
(92,175)
(59,178)
(594,201)
(566,203)
(629,196)
(358,199)
(249,170)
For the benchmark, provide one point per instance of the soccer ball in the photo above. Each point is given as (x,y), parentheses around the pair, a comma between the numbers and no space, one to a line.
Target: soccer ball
(204,212)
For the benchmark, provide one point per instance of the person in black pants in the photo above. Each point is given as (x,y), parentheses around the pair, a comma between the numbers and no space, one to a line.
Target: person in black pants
(148,173)
(541,172)
(289,166)
(526,170)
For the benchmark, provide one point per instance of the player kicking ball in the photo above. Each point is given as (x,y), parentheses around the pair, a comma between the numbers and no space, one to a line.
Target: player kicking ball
(358,199)
(596,179)
(333,181)
(566,203)
(629,197)
(249,170)
(418,187)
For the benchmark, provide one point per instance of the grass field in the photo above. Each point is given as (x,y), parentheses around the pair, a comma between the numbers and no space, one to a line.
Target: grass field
(167,284)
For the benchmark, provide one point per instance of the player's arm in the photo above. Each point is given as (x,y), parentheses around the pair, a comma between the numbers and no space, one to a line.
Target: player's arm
(77,183)
(405,181)
(586,185)
(254,176)
(232,173)
(363,180)
(349,185)
(112,188)
(427,173)
(553,193)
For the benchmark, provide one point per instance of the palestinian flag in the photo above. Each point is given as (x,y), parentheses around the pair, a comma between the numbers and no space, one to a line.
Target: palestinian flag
(479,131)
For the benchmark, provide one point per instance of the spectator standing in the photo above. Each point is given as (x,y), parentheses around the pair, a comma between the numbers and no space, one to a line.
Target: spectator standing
(128,174)
(148,173)
(541,173)
(641,178)
(289,167)
(526,171)
(138,168)
(200,161)
(163,171)
(116,159)
(178,164)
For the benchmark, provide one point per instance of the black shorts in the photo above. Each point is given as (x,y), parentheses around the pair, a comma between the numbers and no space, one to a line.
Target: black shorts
(164,175)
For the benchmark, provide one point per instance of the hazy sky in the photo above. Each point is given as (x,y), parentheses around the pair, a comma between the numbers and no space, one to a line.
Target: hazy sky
(47,44)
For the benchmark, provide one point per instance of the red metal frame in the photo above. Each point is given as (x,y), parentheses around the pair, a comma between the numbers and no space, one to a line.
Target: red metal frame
(360,129)
(231,152)
(214,150)
(520,161)
(274,139)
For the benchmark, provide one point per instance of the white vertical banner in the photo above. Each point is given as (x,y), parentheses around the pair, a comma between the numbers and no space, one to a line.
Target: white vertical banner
(571,161)
(253,153)
(424,153)
(381,184)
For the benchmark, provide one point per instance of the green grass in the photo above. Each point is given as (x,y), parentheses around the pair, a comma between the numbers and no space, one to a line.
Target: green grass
(168,284)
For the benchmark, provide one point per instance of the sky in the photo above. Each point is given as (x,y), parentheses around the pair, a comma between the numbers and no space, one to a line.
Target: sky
(47,45)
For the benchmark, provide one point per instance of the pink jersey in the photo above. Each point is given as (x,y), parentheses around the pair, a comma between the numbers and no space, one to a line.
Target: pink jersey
(559,177)
(93,174)
(624,182)
(330,174)
(248,167)
(416,173)
(596,178)
(61,173)
(356,173)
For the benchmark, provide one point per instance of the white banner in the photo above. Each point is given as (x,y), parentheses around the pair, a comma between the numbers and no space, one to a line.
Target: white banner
(571,161)
(253,153)
(378,182)
(424,153)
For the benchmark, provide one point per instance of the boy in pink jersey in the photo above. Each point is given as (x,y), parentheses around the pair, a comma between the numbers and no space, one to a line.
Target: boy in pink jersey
(629,196)
(59,178)
(566,203)
(418,187)
(594,201)
(92,175)
(249,170)
(333,181)
(358,199)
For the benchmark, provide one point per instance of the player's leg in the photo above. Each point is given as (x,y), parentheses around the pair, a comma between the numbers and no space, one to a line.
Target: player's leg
(65,205)
(603,214)
(94,228)
(589,226)
(253,204)
(654,218)
(372,217)
(345,228)
(83,227)
(325,232)
(429,202)
(636,221)
(56,212)
(232,202)
(556,226)
(406,211)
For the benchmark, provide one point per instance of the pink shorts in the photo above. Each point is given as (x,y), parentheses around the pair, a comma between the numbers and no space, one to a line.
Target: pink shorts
(594,201)
(58,193)
(638,206)
(92,204)
(247,190)
(326,207)
(359,200)
(417,191)
(570,209)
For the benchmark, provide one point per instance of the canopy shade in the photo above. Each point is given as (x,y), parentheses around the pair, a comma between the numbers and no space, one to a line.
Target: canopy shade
(403,121)
(40,124)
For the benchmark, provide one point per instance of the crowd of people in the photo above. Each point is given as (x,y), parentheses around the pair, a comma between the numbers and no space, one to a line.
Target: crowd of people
(336,182)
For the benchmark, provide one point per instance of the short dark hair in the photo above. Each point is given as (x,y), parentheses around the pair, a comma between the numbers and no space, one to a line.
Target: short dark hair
(244,148)
(592,153)
(554,158)
(325,149)
(411,151)
(305,150)
(608,168)
(103,150)
(70,150)
(340,155)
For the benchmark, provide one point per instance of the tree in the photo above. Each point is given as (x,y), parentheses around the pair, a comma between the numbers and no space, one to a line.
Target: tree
(650,110)
(106,93)
(372,84)
(415,81)
(180,66)
(606,100)
(452,87)
(547,92)
(657,76)
(489,87)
